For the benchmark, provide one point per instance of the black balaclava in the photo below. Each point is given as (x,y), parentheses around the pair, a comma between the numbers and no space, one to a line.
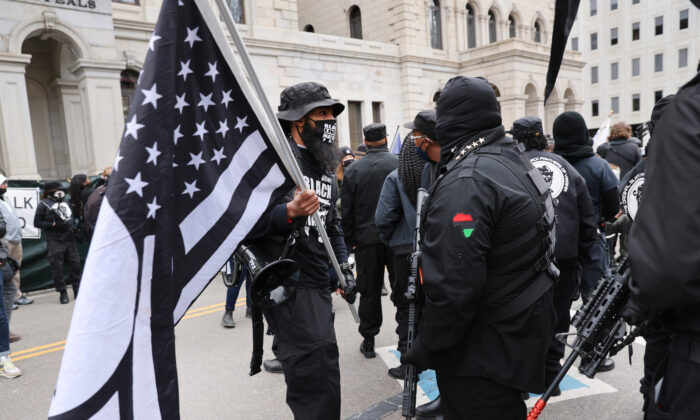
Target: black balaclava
(316,139)
(466,107)
(571,139)
(528,131)
(410,169)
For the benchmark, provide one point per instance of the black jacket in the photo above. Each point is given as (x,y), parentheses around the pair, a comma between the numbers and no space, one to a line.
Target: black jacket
(55,218)
(476,210)
(362,184)
(621,152)
(665,237)
(576,223)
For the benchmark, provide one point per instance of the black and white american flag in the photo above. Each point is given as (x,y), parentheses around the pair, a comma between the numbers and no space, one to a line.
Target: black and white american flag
(193,174)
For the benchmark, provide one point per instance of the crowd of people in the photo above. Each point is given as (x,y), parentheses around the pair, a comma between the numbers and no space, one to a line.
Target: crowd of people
(65,220)
(518,226)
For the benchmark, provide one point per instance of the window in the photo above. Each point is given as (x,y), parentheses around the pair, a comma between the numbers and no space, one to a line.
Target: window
(615,104)
(635,1)
(658,62)
(309,28)
(594,74)
(134,2)
(594,7)
(492,27)
(659,25)
(574,43)
(355,17)
(635,31)
(682,58)
(658,94)
(129,79)
(594,41)
(613,4)
(635,67)
(355,121)
(435,25)
(538,31)
(613,36)
(635,102)
(594,108)
(511,27)
(236,7)
(614,71)
(471,27)
(683,22)
(376,112)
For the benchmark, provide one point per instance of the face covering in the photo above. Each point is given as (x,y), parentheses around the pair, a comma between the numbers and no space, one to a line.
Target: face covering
(320,141)
(324,131)
(421,154)
(59,194)
(347,163)
(3,191)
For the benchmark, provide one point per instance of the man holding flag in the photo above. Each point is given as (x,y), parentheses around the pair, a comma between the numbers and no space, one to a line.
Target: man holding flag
(196,170)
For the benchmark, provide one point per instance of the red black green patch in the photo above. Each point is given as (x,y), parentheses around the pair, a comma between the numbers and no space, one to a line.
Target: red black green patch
(465,222)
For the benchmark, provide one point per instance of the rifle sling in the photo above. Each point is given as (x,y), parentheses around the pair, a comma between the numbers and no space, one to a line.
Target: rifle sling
(526,298)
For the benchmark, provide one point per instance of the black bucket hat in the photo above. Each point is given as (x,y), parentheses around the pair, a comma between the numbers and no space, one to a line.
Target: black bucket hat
(296,101)
(52,185)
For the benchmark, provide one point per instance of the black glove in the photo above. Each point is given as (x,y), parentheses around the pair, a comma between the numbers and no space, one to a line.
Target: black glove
(350,291)
(418,356)
(633,313)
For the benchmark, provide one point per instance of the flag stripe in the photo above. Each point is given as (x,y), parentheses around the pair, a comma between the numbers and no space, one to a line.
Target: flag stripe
(210,210)
(257,204)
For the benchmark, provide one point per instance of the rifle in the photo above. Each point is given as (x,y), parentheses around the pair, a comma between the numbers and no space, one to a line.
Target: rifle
(600,330)
(70,225)
(412,294)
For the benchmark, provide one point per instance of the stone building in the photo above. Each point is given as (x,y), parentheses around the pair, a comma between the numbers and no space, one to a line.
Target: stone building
(68,67)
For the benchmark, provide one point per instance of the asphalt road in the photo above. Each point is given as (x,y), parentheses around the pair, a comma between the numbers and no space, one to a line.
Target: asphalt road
(213,368)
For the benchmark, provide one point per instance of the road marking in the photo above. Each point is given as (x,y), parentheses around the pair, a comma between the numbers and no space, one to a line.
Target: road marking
(380,409)
(60,345)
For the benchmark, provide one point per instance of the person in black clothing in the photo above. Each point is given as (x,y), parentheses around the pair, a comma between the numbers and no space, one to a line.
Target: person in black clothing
(620,150)
(362,185)
(488,242)
(576,231)
(55,217)
(665,261)
(303,325)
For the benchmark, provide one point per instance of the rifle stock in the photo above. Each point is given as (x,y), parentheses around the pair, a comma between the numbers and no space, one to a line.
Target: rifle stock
(412,294)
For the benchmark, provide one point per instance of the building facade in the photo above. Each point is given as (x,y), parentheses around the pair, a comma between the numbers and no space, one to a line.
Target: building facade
(636,52)
(68,68)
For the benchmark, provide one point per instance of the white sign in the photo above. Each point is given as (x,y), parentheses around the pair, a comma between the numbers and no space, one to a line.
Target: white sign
(25,202)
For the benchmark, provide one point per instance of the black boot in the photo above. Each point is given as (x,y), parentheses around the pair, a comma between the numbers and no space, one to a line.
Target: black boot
(367,348)
(398,372)
(227,320)
(64,297)
(75,291)
(431,410)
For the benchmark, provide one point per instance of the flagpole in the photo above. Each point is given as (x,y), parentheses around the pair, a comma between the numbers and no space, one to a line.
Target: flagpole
(287,154)
(393,140)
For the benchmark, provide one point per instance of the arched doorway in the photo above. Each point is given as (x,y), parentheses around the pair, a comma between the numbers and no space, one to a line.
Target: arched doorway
(532,103)
(49,85)
(570,100)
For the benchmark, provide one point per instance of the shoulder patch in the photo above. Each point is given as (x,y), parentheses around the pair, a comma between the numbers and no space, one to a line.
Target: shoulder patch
(554,174)
(632,195)
(465,222)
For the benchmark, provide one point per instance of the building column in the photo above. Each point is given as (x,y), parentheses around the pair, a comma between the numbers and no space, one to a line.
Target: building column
(461,28)
(81,158)
(16,138)
(512,108)
(100,96)
(552,110)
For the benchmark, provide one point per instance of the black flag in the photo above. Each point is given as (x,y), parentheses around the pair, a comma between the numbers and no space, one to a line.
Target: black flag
(564,16)
(193,174)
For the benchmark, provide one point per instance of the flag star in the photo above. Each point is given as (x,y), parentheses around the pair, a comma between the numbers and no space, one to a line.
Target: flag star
(205,101)
(151,96)
(152,42)
(190,189)
(132,128)
(218,155)
(223,128)
(192,36)
(196,160)
(152,208)
(241,123)
(116,161)
(212,71)
(153,154)
(185,69)
(135,185)
(201,131)
(180,103)
(227,98)
(176,135)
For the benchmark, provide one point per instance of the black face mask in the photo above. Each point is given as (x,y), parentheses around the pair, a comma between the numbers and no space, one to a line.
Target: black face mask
(320,141)
(3,191)
(347,163)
